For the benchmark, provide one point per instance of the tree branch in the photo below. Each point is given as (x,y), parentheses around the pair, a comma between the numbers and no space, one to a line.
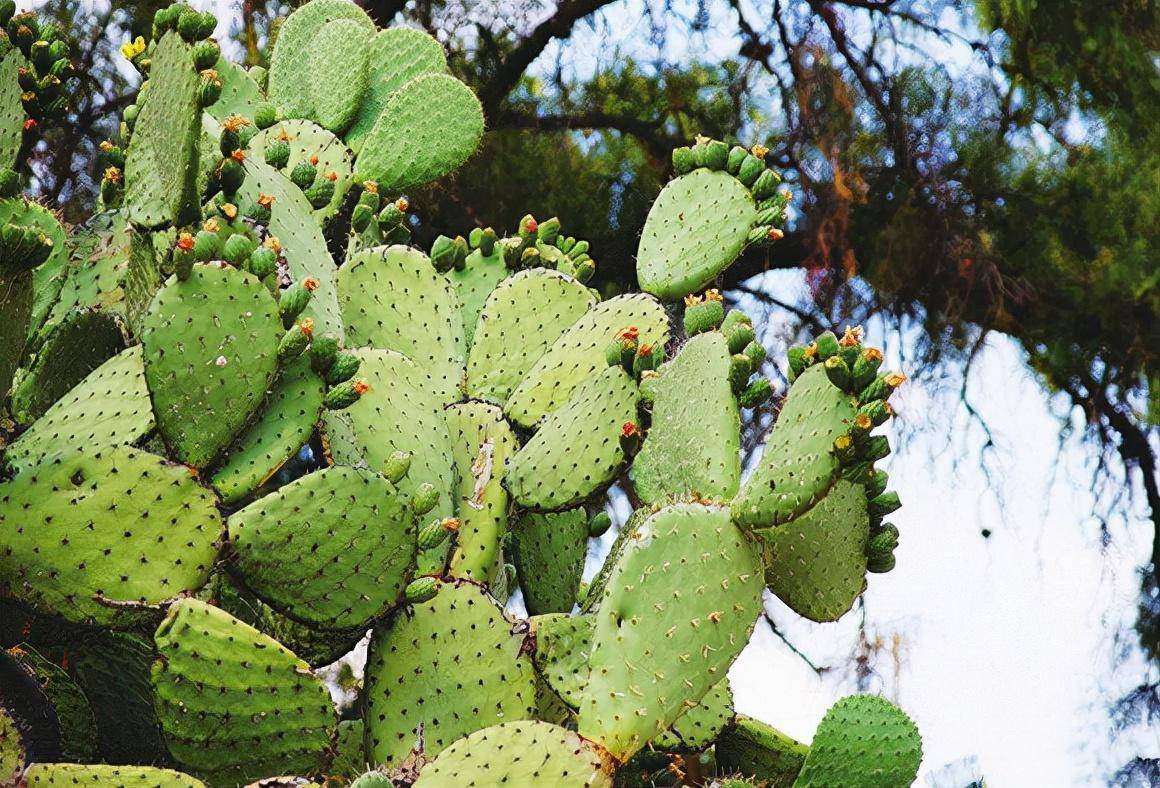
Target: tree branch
(644,130)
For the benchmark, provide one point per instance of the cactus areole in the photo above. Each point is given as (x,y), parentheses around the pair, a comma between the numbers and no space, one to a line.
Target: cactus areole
(235,446)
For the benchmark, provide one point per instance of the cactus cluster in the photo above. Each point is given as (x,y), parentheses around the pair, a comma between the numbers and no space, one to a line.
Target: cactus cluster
(246,424)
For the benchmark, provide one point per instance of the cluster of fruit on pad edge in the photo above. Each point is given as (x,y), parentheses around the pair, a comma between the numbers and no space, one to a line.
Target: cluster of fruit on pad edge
(245,423)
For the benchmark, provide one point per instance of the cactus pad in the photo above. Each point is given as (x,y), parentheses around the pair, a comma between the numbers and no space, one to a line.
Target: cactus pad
(306,139)
(337,72)
(16,297)
(481,274)
(124,527)
(49,775)
(563,646)
(161,165)
(548,552)
(428,128)
(333,549)
(235,704)
(293,407)
(816,564)
(519,321)
(751,747)
(11,112)
(482,443)
(110,407)
(577,450)
(676,609)
(798,465)
(241,95)
(694,443)
(211,347)
(78,731)
(695,230)
(393,298)
(579,353)
(697,728)
(520,753)
(864,741)
(446,667)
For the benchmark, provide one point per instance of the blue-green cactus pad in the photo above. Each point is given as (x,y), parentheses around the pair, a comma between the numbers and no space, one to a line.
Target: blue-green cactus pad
(393,298)
(548,553)
(92,530)
(110,407)
(693,445)
(579,353)
(519,321)
(675,612)
(864,741)
(211,346)
(235,705)
(450,666)
(695,230)
(576,450)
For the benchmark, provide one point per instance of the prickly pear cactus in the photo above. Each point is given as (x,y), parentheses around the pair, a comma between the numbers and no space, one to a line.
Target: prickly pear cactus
(239,410)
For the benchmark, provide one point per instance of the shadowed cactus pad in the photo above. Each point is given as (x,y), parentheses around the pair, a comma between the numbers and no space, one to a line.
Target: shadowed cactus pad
(333,549)
(518,754)
(752,748)
(563,646)
(91,537)
(864,741)
(548,552)
(235,704)
(425,658)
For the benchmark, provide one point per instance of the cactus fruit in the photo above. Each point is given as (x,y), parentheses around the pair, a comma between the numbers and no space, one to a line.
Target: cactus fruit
(238,403)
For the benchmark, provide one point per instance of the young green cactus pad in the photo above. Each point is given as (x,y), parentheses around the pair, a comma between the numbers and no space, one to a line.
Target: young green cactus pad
(395,57)
(799,463)
(393,298)
(482,442)
(675,611)
(161,165)
(333,549)
(548,552)
(399,413)
(48,775)
(577,450)
(235,704)
(210,346)
(752,748)
(522,317)
(126,529)
(580,353)
(110,407)
(443,669)
(694,443)
(816,563)
(520,753)
(292,408)
(864,741)
(428,128)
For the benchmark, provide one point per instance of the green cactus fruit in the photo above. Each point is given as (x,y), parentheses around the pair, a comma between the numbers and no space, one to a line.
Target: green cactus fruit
(521,753)
(703,316)
(756,394)
(816,563)
(205,391)
(293,68)
(303,174)
(336,68)
(576,450)
(361,217)
(396,465)
(444,251)
(353,574)
(292,408)
(374,779)
(881,387)
(428,128)
(161,161)
(520,320)
(425,498)
(548,551)
(422,589)
(104,776)
(765,186)
(694,444)
(864,741)
(435,533)
(235,704)
(481,274)
(320,193)
(262,262)
(654,645)
(396,56)
(69,706)
(277,153)
(237,249)
(112,517)
(697,728)
(750,169)
(392,298)
(695,230)
(578,354)
(265,115)
(739,334)
(399,413)
(751,747)
(683,160)
(323,352)
(344,395)
(755,352)
(882,543)
(445,668)
(599,524)
(865,367)
(798,465)
(294,299)
(482,444)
